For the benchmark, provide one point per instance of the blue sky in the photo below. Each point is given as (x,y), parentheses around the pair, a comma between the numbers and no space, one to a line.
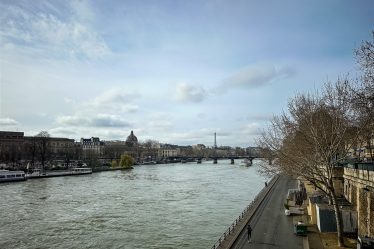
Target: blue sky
(173,71)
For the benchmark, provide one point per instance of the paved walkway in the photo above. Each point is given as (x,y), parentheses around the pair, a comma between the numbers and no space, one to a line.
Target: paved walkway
(271,227)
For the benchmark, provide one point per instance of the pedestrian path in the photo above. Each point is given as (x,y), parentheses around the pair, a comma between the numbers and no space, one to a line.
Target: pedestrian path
(231,234)
(271,227)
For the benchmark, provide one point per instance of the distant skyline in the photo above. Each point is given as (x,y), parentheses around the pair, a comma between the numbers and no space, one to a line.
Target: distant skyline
(171,70)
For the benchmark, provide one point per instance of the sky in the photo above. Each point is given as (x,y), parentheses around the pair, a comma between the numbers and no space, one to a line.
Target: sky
(174,71)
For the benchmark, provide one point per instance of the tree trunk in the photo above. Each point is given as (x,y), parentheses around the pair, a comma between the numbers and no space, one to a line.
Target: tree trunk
(339,220)
(370,145)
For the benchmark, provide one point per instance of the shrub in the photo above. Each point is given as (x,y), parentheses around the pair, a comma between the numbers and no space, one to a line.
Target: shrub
(286,206)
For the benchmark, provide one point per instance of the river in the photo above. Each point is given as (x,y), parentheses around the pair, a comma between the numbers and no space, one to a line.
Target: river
(154,206)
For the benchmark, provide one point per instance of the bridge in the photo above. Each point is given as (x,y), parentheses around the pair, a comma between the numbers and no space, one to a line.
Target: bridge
(199,159)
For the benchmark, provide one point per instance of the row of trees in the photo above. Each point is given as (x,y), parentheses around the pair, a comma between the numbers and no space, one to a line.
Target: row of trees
(151,148)
(33,149)
(319,130)
(40,150)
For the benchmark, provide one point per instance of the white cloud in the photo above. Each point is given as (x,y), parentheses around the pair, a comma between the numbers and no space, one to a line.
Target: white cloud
(63,132)
(252,129)
(113,95)
(260,117)
(8,122)
(49,35)
(82,10)
(189,93)
(69,101)
(86,132)
(254,76)
(160,122)
(106,110)
(115,101)
(99,120)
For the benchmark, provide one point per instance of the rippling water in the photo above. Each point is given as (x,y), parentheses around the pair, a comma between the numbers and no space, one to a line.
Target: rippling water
(158,206)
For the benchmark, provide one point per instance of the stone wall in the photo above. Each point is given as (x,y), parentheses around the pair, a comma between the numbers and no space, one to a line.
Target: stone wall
(359,190)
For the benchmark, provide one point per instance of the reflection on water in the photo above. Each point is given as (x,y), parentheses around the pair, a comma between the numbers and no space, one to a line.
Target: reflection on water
(153,206)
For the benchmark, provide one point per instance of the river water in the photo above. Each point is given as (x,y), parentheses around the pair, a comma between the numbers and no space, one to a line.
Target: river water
(154,206)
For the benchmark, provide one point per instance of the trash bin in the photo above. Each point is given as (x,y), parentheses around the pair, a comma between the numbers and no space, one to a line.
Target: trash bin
(300,229)
(365,242)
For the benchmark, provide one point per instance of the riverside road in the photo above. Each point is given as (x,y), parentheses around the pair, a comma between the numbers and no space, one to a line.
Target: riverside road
(271,227)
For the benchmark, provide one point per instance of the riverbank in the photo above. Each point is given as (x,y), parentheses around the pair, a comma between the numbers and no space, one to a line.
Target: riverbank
(101,169)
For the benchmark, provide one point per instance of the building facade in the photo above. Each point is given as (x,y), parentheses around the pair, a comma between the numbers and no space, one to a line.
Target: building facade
(167,150)
(92,146)
(359,190)
(11,146)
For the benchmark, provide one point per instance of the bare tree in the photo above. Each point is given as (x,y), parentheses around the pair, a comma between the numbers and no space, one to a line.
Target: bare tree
(42,139)
(150,148)
(313,138)
(365,58)
(31,149)
(363,97)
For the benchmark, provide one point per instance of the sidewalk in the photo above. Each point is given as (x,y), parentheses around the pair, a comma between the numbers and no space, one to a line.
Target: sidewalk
(317,240)
(313,239)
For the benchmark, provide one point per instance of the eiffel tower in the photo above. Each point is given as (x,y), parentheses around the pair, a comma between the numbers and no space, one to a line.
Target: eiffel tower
(215,149)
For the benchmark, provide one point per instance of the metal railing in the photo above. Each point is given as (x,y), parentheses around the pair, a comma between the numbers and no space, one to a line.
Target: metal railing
(233,227)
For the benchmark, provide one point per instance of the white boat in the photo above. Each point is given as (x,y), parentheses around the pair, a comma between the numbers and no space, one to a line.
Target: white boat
(247,162)
(81,171)
(37,173)
(12,176)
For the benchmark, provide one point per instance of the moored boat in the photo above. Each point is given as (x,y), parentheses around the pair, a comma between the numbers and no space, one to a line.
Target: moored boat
(12,176)
(81,171)
(247,162)
(74,171)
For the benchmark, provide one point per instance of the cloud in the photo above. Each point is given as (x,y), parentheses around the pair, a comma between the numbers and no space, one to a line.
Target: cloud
(116,99)
(260,117)
(113,95)
(63,131)
(100,120)
(8,122)
(189,93)
(41,30)
(254,76)
(79,132)
(105,110)
(252,129)
(160,122)
(199,136)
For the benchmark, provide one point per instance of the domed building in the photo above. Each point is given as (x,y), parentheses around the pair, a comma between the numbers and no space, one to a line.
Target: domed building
(132,140)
